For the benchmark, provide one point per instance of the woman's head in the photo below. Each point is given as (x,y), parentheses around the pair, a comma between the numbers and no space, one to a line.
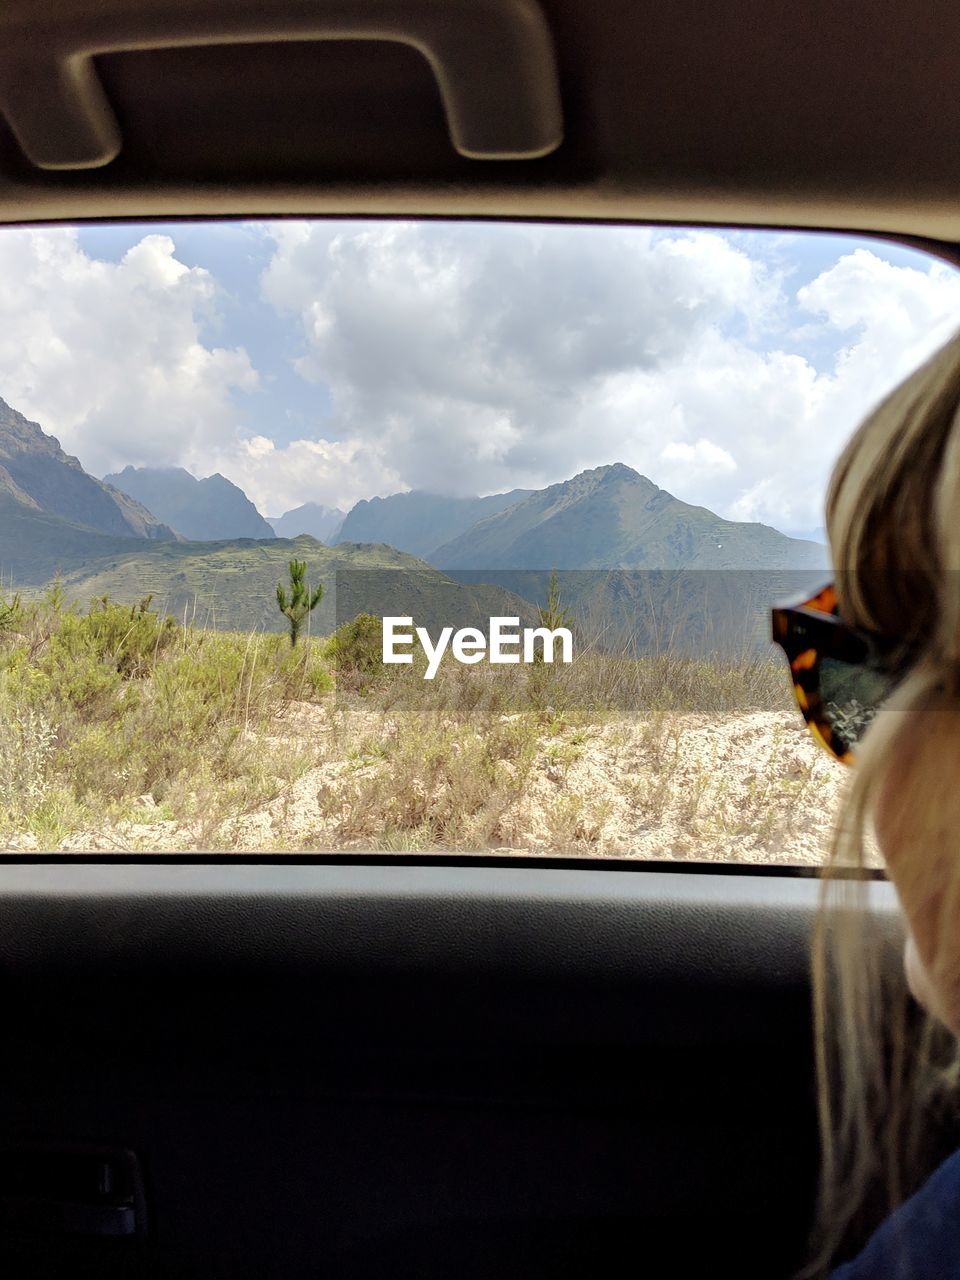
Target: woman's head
(893,520)
(892,508)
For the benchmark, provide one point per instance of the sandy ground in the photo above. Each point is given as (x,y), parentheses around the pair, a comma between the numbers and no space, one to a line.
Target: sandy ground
(746,788)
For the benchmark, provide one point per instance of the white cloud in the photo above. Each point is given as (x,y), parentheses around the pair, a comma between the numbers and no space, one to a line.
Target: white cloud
(478,358)
(472,358)
(108,356)
(334,472)
(703,455)
(883,321)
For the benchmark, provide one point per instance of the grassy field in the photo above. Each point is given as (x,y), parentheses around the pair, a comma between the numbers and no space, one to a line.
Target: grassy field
(124,730)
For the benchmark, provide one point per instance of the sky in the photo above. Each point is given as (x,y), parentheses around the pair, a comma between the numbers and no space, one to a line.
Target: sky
(333,361)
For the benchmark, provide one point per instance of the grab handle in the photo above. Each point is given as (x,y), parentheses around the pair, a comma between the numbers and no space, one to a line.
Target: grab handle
(493,61)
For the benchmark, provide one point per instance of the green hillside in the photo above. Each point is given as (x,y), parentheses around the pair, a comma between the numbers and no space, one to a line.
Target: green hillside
(232,585)
(697,612)
(35,546)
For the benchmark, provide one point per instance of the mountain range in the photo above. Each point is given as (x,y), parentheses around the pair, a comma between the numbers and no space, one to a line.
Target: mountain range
(628,553)
(200,510)
(419,522)
(637,568)
(320,522)
(56,520)
(614,518)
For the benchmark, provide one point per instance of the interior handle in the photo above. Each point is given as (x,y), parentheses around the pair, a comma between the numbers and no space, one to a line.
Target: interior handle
(71,1190)
(493,61)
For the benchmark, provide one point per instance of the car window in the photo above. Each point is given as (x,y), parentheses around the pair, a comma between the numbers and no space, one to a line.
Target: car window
(426,536)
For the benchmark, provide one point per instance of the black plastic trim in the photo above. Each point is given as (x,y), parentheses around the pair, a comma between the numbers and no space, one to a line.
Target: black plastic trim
(354,859)
(542,922)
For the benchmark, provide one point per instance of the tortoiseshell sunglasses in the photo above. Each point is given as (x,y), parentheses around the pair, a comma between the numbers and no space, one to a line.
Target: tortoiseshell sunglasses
(839,677)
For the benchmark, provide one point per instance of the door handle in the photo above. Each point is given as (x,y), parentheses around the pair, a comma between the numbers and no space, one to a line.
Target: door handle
(71,1190)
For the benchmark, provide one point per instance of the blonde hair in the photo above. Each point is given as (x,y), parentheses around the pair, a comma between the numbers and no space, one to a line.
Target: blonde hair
(893,519)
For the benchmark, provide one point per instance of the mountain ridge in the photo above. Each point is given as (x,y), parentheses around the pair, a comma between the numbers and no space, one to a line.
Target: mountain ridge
(321,522)
(209,509)
(612,517)
(38,474)
(419,521)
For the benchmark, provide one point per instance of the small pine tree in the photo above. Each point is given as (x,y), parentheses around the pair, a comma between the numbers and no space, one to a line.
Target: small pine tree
(10,611)
(545,690)
(55,597)
(301,602)
(553,614)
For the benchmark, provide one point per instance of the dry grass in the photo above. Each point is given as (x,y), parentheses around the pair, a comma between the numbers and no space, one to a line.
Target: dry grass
(120,732)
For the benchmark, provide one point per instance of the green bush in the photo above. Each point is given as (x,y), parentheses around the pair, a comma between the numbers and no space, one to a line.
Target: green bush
(26,746)
(128,639)
(356,651)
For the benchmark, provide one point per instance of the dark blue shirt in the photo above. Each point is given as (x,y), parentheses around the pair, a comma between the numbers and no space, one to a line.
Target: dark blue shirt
(921,1241)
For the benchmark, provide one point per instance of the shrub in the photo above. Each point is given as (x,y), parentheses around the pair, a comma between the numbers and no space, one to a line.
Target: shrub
(356,651)
(26,747)
(129,639)
(303,673)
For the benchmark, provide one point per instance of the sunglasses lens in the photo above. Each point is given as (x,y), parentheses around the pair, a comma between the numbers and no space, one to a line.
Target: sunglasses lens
(851,697)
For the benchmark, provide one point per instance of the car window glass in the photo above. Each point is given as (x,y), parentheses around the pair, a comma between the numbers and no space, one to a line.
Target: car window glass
(426,536)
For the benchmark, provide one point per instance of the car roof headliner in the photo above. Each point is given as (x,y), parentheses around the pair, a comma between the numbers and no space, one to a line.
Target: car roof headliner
(752,112)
